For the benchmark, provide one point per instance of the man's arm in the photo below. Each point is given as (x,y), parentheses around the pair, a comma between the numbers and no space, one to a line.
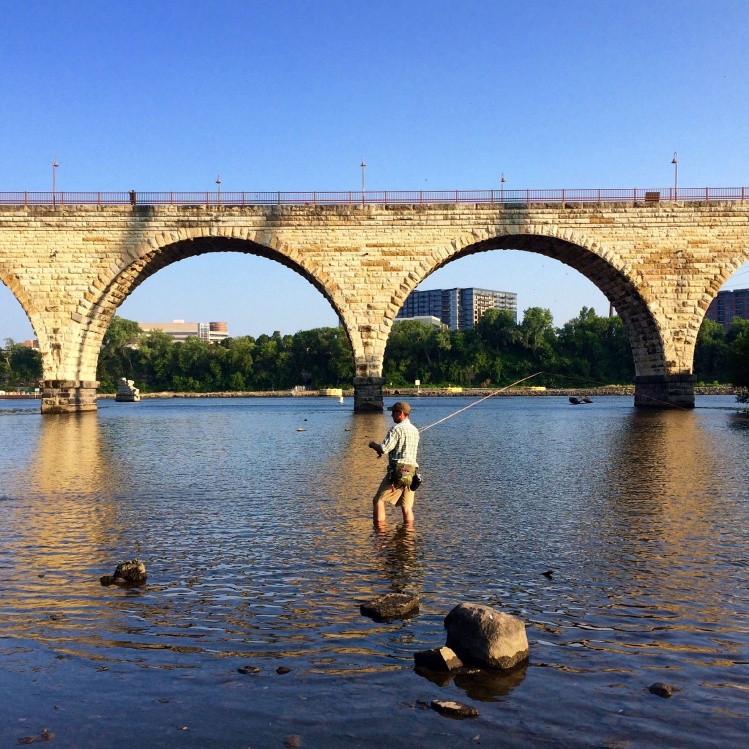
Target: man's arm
(377,448)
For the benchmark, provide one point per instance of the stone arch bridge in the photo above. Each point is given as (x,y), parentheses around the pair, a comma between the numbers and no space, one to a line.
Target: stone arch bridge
(659,263)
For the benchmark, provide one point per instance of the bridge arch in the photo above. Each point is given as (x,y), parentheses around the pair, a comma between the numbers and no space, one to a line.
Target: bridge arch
(163,251)
(609,274)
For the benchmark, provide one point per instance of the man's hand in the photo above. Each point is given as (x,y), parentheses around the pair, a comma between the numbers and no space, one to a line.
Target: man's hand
(376,447)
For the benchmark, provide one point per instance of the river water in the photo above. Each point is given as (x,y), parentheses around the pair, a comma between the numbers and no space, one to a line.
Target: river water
(253,517)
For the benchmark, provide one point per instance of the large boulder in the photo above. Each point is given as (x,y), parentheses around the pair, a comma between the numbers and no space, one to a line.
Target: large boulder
(482,636)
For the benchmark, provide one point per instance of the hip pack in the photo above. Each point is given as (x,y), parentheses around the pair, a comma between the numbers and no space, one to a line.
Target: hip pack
(401,475)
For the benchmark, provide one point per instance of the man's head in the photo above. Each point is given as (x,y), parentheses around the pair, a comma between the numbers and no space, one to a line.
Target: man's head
(400,410)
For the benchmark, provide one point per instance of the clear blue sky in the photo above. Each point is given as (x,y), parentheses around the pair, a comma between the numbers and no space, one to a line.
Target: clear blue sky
(289,95)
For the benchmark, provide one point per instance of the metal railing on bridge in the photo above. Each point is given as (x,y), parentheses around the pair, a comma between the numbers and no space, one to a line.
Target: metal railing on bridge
(380,197)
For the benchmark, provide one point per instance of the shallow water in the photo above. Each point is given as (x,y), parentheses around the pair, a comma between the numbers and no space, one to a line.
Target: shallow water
(259,547)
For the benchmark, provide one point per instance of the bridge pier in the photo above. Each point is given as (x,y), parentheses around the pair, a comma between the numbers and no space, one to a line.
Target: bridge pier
(68,396)
(661,391)
(368,394)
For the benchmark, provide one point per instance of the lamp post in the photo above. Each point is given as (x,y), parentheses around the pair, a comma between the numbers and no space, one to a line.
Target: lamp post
(363,167)
(218,182)
(54,179)
(675,162)
(502,191)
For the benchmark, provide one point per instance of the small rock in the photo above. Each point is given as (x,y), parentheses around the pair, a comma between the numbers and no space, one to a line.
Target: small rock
(249,670)
(46,735)
(663,690)
(482,636)
(27,740)
(283,670)
(390,606)
(132,572)
(437,659)
(293,741)
(454,709)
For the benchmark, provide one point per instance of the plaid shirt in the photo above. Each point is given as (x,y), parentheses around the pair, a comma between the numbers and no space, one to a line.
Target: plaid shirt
(401,443)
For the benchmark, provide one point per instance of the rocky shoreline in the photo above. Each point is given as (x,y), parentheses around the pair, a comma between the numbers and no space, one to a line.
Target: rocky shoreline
(432,392)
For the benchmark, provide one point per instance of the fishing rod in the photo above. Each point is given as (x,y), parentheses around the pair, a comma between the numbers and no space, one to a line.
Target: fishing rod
(475,403)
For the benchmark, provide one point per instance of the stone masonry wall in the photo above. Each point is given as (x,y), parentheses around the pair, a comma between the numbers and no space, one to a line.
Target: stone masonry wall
(660,264)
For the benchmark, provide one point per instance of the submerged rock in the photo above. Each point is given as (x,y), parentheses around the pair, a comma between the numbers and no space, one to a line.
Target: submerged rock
(454,709)
(132,572)
(390,606)
(663,690)
(482,636)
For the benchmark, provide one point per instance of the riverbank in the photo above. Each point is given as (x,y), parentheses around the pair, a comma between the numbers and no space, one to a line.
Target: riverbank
(431,392)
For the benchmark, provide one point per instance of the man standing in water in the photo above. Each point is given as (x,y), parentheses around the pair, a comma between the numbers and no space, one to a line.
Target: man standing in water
(400,444)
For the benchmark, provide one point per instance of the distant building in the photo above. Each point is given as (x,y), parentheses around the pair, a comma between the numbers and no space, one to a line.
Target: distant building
(727,305)
(30,344)
(179,330)
(457,308)
(424,320)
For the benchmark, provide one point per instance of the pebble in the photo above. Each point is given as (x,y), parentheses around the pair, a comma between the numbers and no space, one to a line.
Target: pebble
(293,741)
(283,670)
(249,670)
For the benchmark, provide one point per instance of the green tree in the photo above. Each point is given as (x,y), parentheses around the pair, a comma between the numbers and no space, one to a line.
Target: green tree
(116,354)
(711,353)
(738,359)
(20,366)
(595,348)
(537,330)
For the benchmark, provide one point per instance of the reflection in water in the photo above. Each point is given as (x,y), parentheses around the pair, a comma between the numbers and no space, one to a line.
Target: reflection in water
(259,547)
(479,684)
(400,555)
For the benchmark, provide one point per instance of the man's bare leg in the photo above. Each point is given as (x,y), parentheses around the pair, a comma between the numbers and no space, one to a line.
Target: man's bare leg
(408,516)
(378,514)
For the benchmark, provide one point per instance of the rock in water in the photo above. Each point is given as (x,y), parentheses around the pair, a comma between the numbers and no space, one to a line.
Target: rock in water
(662,689)
(390,606)
(437,659)
(132,572)
(482,636)
(454,709)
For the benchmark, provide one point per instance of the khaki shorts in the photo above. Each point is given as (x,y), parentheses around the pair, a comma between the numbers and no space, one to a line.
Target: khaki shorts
(390,494)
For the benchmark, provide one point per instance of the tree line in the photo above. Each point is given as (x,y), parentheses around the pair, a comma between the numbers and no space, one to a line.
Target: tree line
(587,351)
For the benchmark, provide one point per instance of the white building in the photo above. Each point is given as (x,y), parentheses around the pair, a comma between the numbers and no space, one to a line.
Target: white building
(179,330)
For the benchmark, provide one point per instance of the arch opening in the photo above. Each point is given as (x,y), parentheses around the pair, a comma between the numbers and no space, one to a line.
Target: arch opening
(235,288)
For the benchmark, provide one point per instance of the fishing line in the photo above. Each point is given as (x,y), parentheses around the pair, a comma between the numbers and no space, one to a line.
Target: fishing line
(475,403)
(551,374)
